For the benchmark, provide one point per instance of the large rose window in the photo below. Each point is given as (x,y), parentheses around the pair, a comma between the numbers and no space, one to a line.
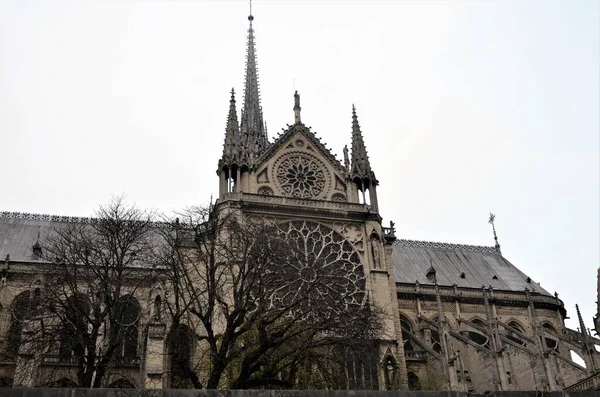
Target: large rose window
(319,271)
(300,175)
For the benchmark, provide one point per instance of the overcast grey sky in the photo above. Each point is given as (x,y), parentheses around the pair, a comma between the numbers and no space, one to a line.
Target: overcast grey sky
(464,106)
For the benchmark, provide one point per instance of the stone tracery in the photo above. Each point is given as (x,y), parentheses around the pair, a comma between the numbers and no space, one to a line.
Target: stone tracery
(321,269)
(300,175)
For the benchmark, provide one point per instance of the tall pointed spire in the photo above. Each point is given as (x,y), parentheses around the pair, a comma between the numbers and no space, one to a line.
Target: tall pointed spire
(587,348)
(231,147)
(360,166)
(253,134)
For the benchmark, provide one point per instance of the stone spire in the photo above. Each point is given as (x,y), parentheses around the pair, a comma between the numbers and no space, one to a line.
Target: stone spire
(360,166)
(586,347)
(231,147)
(253,134)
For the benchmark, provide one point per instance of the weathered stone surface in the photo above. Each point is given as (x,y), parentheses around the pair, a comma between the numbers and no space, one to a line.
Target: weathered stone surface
(30,392)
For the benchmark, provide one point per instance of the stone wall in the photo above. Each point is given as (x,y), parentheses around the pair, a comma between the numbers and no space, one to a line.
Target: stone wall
(26,392)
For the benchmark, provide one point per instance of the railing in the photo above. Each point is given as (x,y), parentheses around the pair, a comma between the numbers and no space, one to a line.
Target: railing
(461,292)
(589,383)
(57,359)
(280,200)
(415,356)
(133,362)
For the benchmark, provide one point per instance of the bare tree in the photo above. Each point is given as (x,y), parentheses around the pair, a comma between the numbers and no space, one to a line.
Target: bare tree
(267,304)
(87,315)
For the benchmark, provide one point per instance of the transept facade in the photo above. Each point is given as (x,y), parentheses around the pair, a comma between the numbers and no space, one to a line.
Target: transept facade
(458,317)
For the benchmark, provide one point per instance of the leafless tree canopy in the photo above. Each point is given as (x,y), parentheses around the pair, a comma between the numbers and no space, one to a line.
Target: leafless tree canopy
(266,304)
(85,313)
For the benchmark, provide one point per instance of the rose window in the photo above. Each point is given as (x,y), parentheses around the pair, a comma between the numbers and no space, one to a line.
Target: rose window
(318,272)
(300,175)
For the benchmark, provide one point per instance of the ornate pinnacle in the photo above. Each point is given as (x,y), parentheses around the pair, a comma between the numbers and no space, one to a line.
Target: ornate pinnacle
(253,135)
(360,166)
(231,147)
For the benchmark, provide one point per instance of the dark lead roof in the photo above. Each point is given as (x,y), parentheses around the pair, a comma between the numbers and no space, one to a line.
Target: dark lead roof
(412,261)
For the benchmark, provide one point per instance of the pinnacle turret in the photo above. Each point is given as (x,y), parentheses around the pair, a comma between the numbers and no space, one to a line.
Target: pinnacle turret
(254,138)
(231,147)
(360,167)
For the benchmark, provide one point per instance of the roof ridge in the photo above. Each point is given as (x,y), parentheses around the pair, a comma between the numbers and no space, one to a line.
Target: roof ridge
(442,245)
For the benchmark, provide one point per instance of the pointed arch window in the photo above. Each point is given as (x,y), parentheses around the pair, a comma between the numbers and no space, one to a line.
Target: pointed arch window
(74,329)
(127,315)
(180,347)
(21,310)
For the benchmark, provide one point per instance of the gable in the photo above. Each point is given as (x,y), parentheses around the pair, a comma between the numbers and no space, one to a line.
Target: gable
(299,166)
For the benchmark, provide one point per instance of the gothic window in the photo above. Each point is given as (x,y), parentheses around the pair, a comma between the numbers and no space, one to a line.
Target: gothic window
(435,341)
(517,327)
(551,342)
(320,270)
(75,323)
(301,175)
(478,338)
(406,329)
(413,381)
(127,313)
(21,310)
(180,345)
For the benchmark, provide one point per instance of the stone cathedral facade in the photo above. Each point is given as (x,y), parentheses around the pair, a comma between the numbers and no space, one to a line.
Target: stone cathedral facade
(458,316)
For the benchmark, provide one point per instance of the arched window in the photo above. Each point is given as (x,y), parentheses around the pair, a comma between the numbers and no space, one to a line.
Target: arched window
(436,343)
(477,336)
(413,381)
(127,313)
(551,342)
(513,325)
(21,310)
(73,335)
(180,345)
(406,326)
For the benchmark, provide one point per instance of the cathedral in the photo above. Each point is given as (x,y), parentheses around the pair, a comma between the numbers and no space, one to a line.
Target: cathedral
(458,317)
